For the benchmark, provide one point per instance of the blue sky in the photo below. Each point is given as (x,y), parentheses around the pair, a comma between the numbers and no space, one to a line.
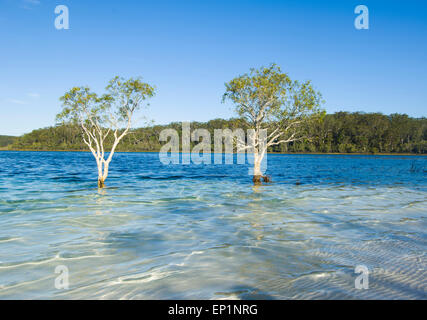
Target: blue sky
(189,49)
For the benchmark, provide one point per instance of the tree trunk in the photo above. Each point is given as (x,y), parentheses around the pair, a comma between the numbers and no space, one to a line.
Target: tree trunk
(102,174)
(257,168)
(101,183)
(258,176)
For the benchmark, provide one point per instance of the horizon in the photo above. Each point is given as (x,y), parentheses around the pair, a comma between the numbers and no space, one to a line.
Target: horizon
(189,50)
(203,122)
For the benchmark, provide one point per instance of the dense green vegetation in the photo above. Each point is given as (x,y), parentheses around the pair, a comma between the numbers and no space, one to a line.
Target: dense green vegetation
(6,140)
(341,132)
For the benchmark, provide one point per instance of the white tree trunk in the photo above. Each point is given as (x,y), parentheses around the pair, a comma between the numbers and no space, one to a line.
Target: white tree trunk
(101,178)
(258,156)
(257,164)
(102,172)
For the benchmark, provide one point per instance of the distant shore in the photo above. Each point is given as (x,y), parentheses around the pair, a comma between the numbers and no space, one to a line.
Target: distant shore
(284,153)
(339,133)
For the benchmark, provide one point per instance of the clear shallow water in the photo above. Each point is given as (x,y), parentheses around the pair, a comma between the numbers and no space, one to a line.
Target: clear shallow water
(205,232)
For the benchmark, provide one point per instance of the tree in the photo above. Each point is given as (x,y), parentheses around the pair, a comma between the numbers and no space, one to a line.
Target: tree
(101,117)
(269,100)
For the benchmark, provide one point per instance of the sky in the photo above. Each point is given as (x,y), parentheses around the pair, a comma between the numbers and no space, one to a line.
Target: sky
(188,49)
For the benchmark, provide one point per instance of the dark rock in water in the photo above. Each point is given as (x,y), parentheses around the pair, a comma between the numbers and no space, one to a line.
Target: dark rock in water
(257,179)
(266,179)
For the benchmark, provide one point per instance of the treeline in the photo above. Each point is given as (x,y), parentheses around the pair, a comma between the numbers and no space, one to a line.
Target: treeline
(341,132)
(6,140)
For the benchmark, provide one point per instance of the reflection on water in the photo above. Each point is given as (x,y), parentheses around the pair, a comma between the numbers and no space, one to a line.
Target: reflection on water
(206,232)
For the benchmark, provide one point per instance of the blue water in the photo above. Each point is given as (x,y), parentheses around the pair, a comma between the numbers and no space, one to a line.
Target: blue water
(206,232)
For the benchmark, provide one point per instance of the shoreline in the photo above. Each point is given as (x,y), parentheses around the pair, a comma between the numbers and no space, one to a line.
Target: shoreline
(271,153)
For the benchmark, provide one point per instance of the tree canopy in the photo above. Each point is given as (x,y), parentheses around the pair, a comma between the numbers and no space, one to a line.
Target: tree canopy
(100,117)
(277,109)
(268,99)
(341,132)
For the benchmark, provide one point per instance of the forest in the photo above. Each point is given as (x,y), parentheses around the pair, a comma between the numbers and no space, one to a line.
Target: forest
(341,132)
(6,140)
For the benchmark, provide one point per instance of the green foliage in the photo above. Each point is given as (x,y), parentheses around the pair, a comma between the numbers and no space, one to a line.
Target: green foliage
(271,90)
(6,140)
(268,99)
(357,132)
(341,132)
(112,109)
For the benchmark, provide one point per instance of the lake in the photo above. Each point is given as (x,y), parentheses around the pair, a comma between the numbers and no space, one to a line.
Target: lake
(206,232)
